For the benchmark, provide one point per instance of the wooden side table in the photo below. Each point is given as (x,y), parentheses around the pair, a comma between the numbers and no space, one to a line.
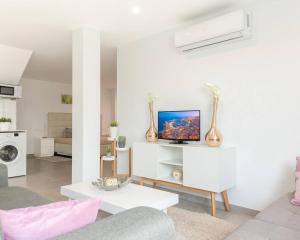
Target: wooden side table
(111,159)
(114,158)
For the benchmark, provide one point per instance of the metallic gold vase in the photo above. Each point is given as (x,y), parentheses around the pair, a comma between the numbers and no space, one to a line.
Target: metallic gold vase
(213,137)
(151,134)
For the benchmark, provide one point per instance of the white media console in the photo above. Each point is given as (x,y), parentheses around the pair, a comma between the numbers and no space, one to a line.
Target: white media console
(205,169)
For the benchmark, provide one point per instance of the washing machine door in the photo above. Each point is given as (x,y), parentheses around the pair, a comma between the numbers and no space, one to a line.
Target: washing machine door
(9,153)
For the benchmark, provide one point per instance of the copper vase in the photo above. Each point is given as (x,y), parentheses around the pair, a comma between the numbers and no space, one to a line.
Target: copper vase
(213,137)
(151,134)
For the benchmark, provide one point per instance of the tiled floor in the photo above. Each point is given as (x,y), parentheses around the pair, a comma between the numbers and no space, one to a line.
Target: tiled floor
(45,178)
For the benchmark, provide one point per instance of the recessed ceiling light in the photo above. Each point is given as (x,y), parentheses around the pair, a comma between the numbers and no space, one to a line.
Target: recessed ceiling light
(135,10)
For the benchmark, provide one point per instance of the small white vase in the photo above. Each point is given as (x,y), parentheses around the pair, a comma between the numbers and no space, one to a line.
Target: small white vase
(113,132)
(5,126)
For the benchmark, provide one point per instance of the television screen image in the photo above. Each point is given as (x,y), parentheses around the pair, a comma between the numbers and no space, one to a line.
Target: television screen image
(179,125)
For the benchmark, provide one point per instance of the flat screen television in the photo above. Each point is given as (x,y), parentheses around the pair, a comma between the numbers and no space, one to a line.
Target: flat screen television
(179,126)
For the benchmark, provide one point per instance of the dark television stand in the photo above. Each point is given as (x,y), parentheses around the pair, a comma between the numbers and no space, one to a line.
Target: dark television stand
(178,142)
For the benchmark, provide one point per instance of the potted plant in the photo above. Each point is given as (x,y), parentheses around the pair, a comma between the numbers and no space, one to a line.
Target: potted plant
(5,124)
(113,129)
(121,141)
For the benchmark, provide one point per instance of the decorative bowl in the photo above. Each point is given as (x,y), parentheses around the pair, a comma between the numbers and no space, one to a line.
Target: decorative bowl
(111,183)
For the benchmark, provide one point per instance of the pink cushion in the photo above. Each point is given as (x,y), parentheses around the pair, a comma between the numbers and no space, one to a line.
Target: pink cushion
(296,199)
(48,221)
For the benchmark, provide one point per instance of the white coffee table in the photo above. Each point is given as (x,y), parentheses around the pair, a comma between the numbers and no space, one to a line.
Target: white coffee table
(130,196)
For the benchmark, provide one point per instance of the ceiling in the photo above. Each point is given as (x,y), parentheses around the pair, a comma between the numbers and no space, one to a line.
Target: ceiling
(45,27)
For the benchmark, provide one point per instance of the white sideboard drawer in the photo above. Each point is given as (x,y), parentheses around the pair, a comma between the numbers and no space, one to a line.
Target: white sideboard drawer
(211,169)
(144,162)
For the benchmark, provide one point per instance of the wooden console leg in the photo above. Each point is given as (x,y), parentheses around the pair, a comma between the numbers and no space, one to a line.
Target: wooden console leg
(142,181)
(101,168)
(213,204)
(113,167)
(226,201)
(154,184)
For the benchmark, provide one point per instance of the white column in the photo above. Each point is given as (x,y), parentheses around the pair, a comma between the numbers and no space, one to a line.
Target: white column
(86,104)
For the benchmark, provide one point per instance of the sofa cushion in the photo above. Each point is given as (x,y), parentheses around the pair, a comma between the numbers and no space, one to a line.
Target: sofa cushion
(280,220)
(242,235)
(68,133)
(140,223)
(253,230)
(296,198)
(282,213)
(282,233)
(47,221)
(260,230)
(17,197)
(276,215)
(284,203)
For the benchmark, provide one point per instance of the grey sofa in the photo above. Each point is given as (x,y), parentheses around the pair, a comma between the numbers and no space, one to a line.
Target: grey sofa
(135,224)
(279,221)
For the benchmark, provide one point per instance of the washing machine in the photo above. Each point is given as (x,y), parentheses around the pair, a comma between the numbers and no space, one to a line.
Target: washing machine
(13,152)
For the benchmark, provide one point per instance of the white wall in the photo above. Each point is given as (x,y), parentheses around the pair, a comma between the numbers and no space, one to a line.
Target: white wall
(39,98)
(108,85)
(108,99)
(8,109)
(259,109)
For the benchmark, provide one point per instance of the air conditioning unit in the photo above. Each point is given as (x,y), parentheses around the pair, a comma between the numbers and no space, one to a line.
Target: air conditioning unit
(10,91)
(225,28)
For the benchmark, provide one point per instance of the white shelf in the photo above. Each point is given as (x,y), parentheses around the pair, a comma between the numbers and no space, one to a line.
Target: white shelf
(108,158)
(111,139)
(172,162)
(125,149)
(170,179)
